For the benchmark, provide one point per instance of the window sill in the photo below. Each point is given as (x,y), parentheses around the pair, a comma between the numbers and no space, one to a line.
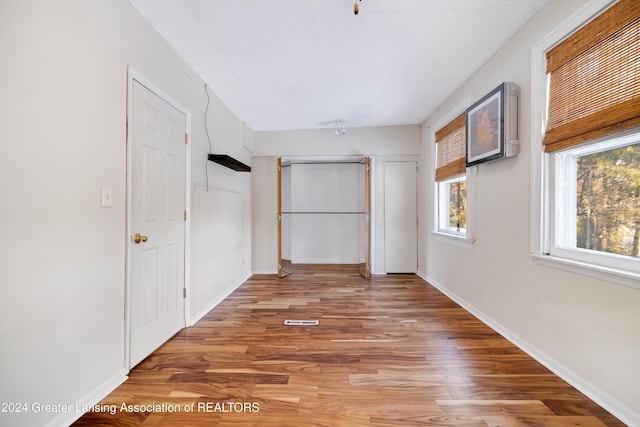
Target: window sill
(619,277)
(464,241)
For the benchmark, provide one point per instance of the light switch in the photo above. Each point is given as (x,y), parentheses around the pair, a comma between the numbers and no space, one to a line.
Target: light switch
(107,197)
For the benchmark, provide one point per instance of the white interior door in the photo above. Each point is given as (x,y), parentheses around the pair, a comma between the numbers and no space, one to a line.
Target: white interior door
(156,248)
(400,218)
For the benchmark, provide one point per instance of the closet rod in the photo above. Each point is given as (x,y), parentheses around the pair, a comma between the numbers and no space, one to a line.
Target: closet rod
(326,213)
(322,163)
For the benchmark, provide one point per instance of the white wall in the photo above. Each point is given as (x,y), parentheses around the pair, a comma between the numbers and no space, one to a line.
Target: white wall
(221,221)
(585,329)
(319,193)
(376,141)
(63,136)
(264,209)
(382,144)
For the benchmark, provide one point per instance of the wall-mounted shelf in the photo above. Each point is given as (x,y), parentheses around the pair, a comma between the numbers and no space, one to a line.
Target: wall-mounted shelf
(229,162)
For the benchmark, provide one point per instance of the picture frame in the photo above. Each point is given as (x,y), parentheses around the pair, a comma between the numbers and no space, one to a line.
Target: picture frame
(485,130)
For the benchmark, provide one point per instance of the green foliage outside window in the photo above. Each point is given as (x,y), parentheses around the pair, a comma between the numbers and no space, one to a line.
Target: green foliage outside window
(458,205)
(608,201)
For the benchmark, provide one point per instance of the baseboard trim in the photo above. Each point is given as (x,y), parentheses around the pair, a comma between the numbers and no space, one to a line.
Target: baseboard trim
(91,399)
(616,408)
(195,318)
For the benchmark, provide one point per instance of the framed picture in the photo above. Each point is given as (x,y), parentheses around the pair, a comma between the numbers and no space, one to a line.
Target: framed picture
(485,128)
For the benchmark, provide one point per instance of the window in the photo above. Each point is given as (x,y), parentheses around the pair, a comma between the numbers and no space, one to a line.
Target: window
(451,182)
(592,141)
(597,203)
(452,206)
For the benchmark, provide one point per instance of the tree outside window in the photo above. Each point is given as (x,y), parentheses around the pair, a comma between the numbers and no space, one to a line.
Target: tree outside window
(608,201)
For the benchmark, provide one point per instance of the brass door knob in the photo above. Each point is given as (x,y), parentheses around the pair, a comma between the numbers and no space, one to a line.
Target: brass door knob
(137,238)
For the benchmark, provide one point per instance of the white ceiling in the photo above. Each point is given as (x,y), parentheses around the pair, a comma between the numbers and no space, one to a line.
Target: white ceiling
(301,64)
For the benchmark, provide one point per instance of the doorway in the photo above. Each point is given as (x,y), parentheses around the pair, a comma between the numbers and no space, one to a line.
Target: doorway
(324,213)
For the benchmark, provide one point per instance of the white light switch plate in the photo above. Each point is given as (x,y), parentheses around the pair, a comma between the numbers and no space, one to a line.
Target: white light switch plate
(107,197)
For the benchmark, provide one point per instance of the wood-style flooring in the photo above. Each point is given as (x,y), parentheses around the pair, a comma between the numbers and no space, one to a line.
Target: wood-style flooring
(388,351)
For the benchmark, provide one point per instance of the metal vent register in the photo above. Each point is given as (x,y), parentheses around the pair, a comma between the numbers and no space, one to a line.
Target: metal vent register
(301,322)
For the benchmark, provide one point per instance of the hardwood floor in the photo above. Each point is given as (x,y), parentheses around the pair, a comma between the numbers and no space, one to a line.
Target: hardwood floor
(388,351)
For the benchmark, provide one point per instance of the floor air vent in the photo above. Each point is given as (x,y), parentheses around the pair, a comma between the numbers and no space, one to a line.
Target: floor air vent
(301,322)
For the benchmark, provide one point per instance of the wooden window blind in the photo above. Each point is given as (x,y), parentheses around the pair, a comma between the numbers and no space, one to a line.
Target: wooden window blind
(594,79)
(451,147)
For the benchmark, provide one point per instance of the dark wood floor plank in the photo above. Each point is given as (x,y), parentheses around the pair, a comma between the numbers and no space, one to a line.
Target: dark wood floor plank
(388,351)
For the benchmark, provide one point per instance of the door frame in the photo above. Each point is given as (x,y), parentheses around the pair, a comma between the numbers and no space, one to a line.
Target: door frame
(369,193)
(283,270)
(365,268)
(135,76)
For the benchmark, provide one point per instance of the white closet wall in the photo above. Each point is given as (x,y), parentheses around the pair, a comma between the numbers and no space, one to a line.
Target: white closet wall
(326,200)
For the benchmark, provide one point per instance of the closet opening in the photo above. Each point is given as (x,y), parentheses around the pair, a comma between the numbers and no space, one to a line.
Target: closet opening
(324,212)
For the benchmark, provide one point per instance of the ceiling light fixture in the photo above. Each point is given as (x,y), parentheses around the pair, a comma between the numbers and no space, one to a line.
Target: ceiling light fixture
(339,129)
(355,7)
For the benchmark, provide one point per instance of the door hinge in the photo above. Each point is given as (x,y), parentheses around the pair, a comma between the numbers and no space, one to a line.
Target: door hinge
(185,215)
(186,138)
(184,293)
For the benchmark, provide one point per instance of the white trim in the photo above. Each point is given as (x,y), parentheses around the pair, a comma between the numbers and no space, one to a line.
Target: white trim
(465,242)
(199,315)
(187,224)
(538,219)
(91,399)
(443,203)
(562,235)
(613,275)
(619,410)
(372,214)
(133,75)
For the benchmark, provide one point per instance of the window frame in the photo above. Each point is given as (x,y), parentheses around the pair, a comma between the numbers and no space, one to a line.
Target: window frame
(563,204)
(544,171)
(443,204)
